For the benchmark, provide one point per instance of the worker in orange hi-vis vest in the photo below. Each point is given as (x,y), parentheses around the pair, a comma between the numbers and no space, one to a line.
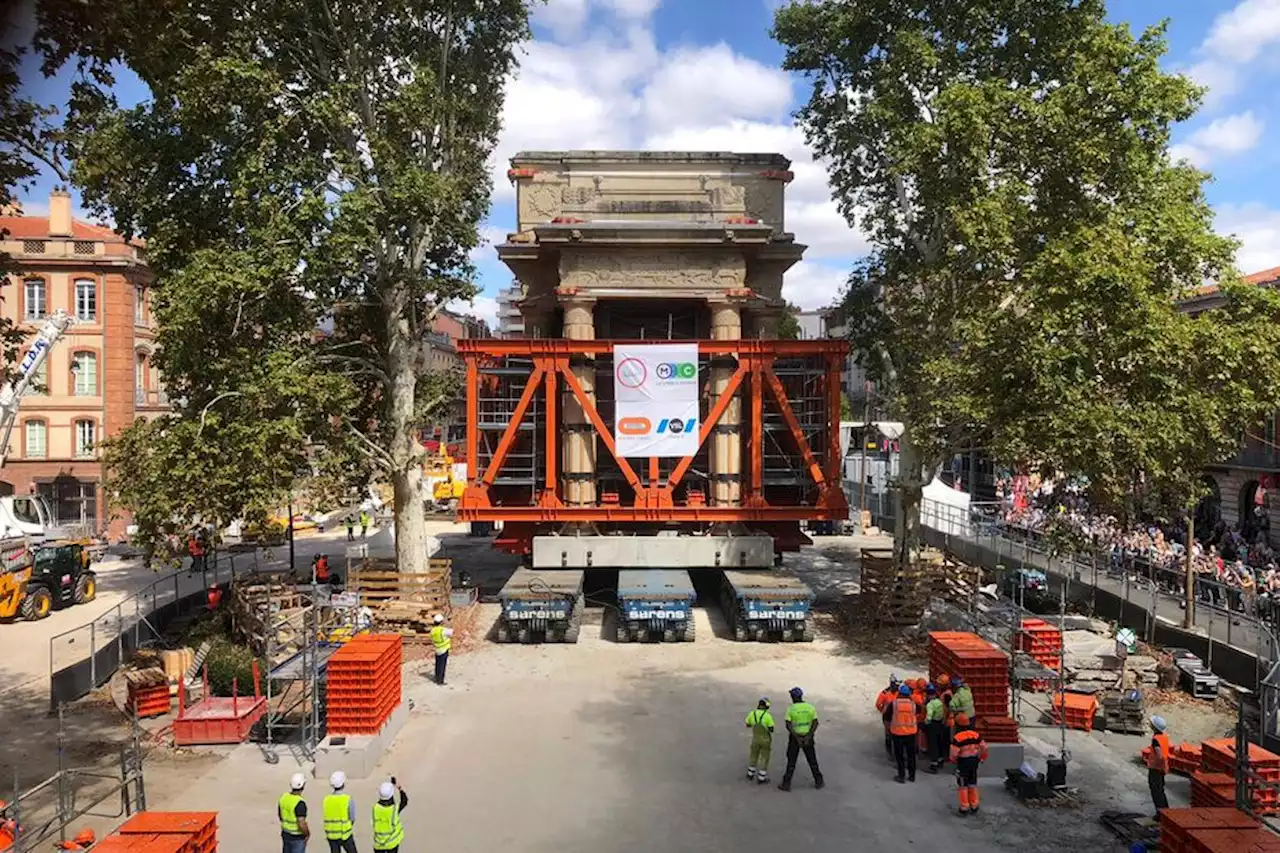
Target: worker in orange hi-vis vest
(968,750)
(883,701)
(1158,764)
(903,726)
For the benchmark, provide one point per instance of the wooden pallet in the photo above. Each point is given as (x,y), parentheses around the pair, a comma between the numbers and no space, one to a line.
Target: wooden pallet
(403,602)
(897,595)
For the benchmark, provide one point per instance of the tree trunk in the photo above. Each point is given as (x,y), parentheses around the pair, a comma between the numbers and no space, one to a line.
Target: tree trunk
(405,450)
(910,488)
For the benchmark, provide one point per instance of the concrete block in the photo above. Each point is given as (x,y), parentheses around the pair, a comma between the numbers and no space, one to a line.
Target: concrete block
(359,755)
(1001,757)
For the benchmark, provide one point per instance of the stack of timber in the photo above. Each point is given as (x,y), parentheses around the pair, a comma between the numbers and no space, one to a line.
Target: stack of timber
(896,595)
(403,602)
(261,613)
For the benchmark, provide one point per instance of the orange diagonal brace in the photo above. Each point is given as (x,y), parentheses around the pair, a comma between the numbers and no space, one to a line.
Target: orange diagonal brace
(513,428)
(589,409)
(713,417)
(784,404)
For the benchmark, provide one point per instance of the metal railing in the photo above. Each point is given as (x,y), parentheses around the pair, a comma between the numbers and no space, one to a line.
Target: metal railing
(85,658)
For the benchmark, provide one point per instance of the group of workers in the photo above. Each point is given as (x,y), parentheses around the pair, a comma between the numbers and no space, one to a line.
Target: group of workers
(338,811)
(937,719)
(801,721)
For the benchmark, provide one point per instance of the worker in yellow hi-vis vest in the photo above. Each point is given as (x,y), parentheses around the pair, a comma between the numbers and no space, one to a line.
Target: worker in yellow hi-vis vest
(760,721)
(388,832)
(339,816)
(441,639)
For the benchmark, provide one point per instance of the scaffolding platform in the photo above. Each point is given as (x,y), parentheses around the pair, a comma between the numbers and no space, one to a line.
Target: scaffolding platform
(297,667)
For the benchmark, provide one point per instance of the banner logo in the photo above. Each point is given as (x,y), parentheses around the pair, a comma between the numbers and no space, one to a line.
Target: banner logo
(672,370)
(632,373)
(635,426)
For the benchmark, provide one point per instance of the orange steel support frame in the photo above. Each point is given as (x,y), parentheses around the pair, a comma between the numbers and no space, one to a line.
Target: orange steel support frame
(654,502)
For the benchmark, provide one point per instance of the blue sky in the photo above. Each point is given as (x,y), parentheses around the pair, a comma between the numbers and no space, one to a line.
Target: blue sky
(704,75)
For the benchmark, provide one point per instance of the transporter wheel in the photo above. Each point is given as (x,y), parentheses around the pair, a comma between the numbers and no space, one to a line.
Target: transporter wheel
(739,631)
(621,633)
(753,633)
(524,635)
(669,635)
(688,632)
(575,621)
(504,632)
(805,634)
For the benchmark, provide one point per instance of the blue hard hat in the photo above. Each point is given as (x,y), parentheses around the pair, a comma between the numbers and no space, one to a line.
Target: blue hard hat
(796,693)
(957,680)
(904,690)
(930,688)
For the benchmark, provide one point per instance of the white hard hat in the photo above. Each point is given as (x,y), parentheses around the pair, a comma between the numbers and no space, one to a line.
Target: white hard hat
(298,782)
(1158,723)
(338,779)
(437,619)
(386,791)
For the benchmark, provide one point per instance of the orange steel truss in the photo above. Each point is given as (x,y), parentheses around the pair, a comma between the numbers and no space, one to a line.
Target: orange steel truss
(651,498)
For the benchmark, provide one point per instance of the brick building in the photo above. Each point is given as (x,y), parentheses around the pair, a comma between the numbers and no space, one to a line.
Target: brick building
(99,378)
(1251,478)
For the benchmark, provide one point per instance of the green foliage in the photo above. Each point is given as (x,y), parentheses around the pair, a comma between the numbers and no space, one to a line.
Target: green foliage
(228,662)
(1030,239)
(789,323)
(846,408)
(300,165)
(27,140)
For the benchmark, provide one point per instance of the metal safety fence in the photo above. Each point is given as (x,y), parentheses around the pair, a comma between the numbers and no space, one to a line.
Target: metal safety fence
(85,658)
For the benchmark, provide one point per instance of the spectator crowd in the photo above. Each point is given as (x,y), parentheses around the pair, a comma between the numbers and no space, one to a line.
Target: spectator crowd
(1235,565)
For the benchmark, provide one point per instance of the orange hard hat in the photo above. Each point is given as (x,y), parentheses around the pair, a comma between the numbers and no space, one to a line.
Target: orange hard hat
(944,680)
(962,719)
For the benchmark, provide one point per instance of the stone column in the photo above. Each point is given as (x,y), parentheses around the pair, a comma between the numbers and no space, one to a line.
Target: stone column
(578,440)
(726,438)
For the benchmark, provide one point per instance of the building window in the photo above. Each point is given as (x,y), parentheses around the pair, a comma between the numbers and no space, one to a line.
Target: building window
(74,501)
(86,432)
(140,306)
(37,302)
(84,374)
(33,247)
(84,247)
(37,440)
(86,299)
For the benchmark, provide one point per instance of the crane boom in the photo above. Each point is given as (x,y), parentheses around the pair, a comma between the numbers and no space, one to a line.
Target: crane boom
(11,394)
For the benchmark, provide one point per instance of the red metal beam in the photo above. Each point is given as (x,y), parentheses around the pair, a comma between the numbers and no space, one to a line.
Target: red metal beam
(473,420)
(624,514)
(513,427)
(553,420)
(784,405)
(589,409)
(834,474)
(713,417)
(755,445)
(560,347)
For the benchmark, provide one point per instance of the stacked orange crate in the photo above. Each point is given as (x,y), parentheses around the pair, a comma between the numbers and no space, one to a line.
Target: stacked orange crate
(1043,642)
(1219,756)
(1255,840)
(1177,825)
(1078,708)
(197,831)
(363,684)
(149,700)
(986,670)
(1212,790)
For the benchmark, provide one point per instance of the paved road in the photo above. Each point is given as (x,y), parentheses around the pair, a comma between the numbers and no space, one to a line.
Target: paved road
(127,588)
(1230,628)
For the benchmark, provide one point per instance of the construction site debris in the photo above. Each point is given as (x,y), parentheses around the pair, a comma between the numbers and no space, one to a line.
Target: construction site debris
(893,594)
(148,692)
(403,603)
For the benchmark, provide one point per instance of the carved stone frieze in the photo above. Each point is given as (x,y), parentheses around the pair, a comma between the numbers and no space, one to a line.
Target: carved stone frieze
(540,203)
(729,198)
(645,269)
(577,195)
(764,202)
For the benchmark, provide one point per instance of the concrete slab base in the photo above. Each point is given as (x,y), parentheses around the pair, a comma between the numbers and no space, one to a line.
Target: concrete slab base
(1001,757)
(359,755)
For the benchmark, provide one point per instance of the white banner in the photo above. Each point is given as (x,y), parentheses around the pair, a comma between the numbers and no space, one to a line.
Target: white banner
(656,388)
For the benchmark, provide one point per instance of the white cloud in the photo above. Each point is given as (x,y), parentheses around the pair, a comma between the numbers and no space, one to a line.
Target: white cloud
(490,236)
(1240,34)
(567,18)
(1227,136)
(813,285)
(1221,80)
(707,85)
(483,307)
(1257,227)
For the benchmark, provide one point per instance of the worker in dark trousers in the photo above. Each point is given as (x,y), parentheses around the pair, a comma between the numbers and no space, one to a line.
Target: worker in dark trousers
(904,725)
(802,725)
(968,750)
(883,702)
(935,727)
(292,811)
(1158,764)
(388,832)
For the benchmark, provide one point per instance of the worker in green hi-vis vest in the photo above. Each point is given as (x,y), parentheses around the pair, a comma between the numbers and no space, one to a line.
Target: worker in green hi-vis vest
(760,721)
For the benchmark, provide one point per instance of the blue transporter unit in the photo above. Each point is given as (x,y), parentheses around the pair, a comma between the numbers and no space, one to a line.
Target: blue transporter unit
(767,605)
(655,605)
(541,605)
